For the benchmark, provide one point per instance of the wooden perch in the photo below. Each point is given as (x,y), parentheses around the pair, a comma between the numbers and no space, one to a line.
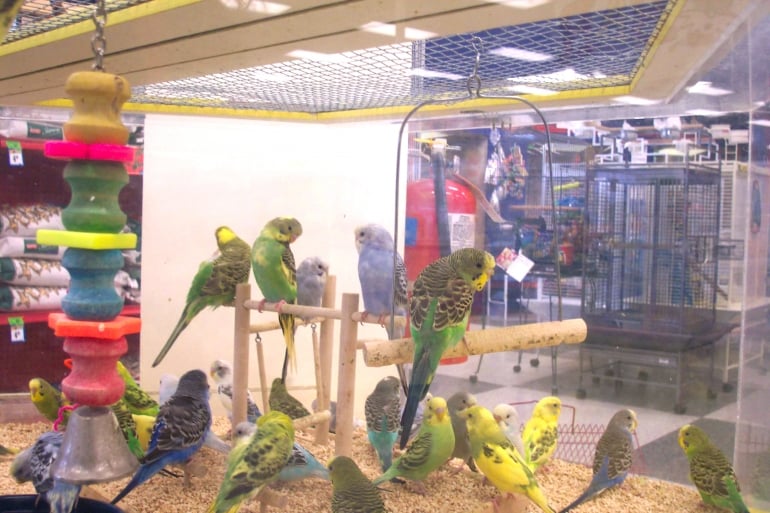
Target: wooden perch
(269,497)
(274,325)
(299,311)
(378,353)
(313,418)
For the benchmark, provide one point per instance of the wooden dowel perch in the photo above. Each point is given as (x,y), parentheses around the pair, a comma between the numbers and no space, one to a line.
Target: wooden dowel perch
(298,310)
(313,418)
(378,353)
(274,325)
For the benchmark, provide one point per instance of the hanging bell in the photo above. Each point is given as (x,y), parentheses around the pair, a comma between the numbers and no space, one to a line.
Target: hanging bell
(93,450)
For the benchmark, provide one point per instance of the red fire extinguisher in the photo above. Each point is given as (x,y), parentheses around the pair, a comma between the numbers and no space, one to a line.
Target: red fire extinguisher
(421,245)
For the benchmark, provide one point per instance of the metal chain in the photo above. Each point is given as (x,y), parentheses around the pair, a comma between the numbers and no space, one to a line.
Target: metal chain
(98,42)
(475,79)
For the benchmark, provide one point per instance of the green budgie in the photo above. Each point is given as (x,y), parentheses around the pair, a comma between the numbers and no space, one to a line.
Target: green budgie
(127,427)
(276,273)
(439,311)
(214,283)
(612,458)
(431,448)
(281,400)
(46,398)
(353,492)
(255,463)
(710,471)
(137,400)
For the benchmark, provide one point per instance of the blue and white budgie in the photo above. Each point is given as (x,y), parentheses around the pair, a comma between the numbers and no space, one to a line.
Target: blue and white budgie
(301,464)
(612,458)
(382,288)
(168,384)
(221,372)
(311,281)
(35,464)
(383,415)
(179,431)
(507,418)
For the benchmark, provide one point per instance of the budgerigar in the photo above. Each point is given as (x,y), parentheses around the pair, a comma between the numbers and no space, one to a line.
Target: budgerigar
(168,384)
(221,371)
(710,471)
(46,398)
(460,401)
(301,463)
(430,449)
(214,283)
(311,281)
(381,288)
(7,451)
(439,310)
(8,10)
(383,409)
(179,431)
(353,492)
(255,463)
(498,460)
(137,400)
(281,400)
(35,464)
(541,432)
(273,264)
(508,419)
(612,458)
(144,425)
(127,427)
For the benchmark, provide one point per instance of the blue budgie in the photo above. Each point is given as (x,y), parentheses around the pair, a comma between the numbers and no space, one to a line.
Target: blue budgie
(179,431)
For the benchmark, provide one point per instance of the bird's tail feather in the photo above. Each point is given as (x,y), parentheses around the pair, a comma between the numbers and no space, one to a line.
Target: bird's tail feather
(178,329)
(418,388)
(600,482)
(62,497)
(287,327)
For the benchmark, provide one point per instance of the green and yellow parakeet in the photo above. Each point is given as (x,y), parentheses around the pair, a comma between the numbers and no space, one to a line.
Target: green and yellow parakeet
(46,398)
(353,492)
(127,427)
(710,471)
(214,283)
(541,432)
(276,273)
(281,400)
(431,448)
(253,464)
(439,310)
(144,425)
(497,458)
(137,400)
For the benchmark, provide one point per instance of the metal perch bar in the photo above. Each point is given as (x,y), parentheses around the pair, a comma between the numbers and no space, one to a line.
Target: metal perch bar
(378,353)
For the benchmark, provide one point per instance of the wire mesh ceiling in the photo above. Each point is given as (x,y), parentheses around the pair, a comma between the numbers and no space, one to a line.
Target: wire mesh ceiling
(585,51)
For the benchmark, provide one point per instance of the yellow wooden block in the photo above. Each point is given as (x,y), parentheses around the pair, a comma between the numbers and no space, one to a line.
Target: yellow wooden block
(87,240)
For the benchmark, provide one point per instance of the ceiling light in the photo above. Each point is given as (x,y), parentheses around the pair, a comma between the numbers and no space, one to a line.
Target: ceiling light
(565,75)
(258,6)
(520,54)
(760,122)
(422,72)
(706,88)
(417,34)
(705,112)
(318,56)
(539,91)
(519,4)
(635,100)
(376,27)
(268,77)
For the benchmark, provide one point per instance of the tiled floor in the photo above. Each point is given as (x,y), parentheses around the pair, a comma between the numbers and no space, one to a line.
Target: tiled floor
(659,454)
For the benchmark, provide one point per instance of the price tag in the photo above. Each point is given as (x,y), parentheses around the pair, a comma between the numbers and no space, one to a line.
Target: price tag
(17,329)
(520,267)
(15,157)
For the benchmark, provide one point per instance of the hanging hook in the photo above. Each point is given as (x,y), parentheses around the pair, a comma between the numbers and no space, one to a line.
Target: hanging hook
(474,79)
(258,338)
(98,42)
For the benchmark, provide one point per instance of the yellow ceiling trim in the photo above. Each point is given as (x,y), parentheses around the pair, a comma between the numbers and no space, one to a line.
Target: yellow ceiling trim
(359,114)
(675,10)
(87,26)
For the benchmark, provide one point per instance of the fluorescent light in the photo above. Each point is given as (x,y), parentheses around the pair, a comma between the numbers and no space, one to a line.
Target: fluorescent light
(519,4)
(268,77)
(539,91)
(635,100)
(422,72)
(705,112)
(417,34)
(760,122)
(707,89)
(376,27)
(318,56)
(520,54)
(565,75)
(258,6)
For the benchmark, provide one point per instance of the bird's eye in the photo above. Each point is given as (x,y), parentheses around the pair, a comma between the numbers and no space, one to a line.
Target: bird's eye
(478,265)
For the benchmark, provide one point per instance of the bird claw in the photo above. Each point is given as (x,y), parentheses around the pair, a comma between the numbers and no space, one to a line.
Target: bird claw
(381,320)
(364,316)
(261,305)
(279,306)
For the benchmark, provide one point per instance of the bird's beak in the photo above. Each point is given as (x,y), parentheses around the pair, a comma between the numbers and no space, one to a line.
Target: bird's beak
(498,418)
(292,239)
(440,412)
